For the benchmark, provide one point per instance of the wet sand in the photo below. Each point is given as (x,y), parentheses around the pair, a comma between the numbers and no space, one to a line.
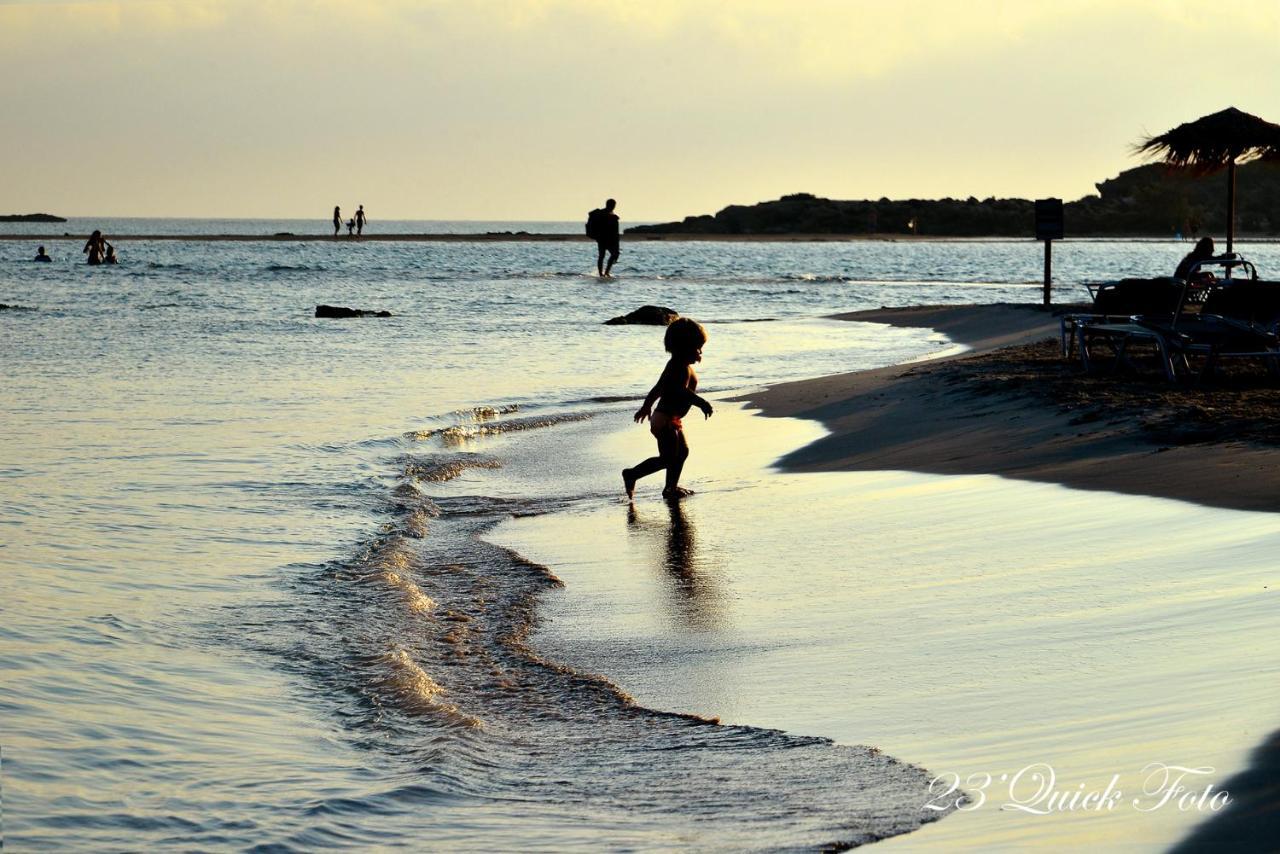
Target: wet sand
(1022,412)
(971,624)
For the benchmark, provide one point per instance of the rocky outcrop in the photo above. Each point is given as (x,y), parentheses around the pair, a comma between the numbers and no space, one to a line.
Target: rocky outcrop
(32,218)
(340,311)
(1146,200)
(645,315)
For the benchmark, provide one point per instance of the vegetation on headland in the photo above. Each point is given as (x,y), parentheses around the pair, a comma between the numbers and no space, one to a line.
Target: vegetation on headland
(38,217)
(1148,200)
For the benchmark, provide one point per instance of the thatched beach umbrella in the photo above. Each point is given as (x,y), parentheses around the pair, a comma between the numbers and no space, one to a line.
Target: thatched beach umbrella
(1213,142)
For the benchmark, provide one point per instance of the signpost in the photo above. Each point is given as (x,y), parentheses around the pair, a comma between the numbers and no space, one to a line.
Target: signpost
(1049,227)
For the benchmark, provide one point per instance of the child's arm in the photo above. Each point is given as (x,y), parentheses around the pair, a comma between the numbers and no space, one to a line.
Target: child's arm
(701,403)
(647,408)
(667,384)
(681,385)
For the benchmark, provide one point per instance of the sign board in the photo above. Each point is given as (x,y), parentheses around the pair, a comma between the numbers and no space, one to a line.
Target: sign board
(1049,219)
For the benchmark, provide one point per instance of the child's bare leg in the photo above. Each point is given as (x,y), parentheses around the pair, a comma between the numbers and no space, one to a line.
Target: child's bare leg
(675,450)
(644,469)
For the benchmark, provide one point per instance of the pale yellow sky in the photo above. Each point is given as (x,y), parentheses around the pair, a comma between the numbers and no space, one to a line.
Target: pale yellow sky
(539,109)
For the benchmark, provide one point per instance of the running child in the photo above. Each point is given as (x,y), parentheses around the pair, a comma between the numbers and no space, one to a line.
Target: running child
(675,393)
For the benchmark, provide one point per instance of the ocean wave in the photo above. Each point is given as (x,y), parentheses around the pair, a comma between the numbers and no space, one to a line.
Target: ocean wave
(7,307)
(421,643)
(292,268)
(441,468)
(455,434)
(485,413)
(813,277)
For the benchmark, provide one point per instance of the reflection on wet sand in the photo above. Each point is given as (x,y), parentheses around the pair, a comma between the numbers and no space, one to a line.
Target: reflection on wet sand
(972,625)
(695,598)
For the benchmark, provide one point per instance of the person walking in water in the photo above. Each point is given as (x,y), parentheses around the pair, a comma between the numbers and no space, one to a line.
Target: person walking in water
(602,227)
(360,220)
(95,247)
(675,392)
(337,220)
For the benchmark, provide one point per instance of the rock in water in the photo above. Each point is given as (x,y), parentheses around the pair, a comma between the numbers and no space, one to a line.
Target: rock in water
(647,315)
(36,217)
(343,311)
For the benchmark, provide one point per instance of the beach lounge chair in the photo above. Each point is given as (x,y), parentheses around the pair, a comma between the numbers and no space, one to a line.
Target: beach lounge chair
(1116,302)
(1120,336)
(1254,302)
(1155,312)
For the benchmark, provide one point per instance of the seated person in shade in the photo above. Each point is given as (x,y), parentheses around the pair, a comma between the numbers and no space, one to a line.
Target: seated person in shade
(111,255)
(1187,268)
(40,256)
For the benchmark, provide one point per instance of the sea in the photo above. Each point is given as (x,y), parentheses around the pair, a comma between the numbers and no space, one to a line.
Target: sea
(254,592)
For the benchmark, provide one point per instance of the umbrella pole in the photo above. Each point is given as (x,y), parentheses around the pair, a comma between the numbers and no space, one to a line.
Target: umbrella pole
(1231,203)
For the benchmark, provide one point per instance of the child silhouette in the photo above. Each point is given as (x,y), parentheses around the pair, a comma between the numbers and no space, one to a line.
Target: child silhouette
(675,392)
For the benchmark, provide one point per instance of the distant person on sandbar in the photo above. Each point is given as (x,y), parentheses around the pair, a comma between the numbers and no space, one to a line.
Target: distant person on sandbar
(111,255)
(337,220)
(95,247)
(360,221)
(602,227)
(40,256)
(1187,267)
(675,392)
(351,228)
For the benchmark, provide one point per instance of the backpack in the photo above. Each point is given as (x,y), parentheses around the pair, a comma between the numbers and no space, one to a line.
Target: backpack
(593,224)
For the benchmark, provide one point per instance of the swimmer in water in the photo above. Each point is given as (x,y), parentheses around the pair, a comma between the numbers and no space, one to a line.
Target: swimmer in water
(675,392)
(40,256)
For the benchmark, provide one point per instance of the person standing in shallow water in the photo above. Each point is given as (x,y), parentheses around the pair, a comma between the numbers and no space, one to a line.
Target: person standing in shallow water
(95,247)
(602,227)
(675,392)
(360,221)
(337,220)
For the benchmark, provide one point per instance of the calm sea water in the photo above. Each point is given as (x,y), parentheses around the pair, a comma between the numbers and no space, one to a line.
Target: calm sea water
(246,597)
(120,227)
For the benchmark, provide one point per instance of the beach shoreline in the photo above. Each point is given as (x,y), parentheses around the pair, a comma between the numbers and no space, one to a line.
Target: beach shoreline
(986,411)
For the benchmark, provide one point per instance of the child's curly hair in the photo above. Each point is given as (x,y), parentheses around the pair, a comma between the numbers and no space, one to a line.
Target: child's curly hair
(684,335)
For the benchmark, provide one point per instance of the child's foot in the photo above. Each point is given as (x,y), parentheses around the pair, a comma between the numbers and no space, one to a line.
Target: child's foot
(675,493)
(629,482)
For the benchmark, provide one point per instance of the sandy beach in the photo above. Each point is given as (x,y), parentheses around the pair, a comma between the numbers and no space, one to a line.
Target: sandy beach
(1024,413)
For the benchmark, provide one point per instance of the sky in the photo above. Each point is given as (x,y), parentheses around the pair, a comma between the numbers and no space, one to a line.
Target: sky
(540,109)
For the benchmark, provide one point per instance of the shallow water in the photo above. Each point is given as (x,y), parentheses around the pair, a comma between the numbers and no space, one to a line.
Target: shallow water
(247,598)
